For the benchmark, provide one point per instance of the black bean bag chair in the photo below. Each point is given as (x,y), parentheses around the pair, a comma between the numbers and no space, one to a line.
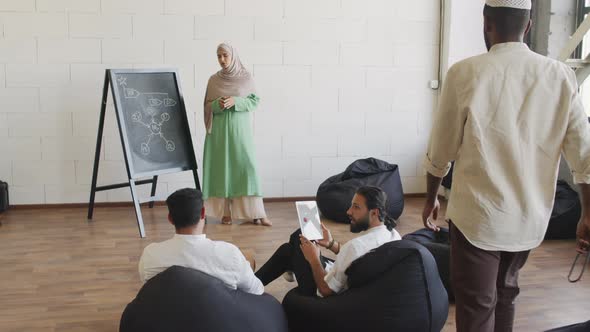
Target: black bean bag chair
(395,287)
(439,245)
(582,327)
(182,299)
(566,213)
(335,194)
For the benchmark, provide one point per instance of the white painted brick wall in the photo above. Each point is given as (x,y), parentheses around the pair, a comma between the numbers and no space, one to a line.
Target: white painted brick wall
(113,148)
(301,188)
(194,7)
(183,52)
(18,51)
(260,53)
(346,30)
(2,76)
(366,54)
(6,171)
(85,124)
(91,76)
(46,172)
(35,25)
(16,6)
(70,98)
(69,51)
(254,8)
(338,76)
(40,124)
(133,6)
(272,188)
(160,27)
(32,75)
(283,29)
(132,51)
(19,100)
(363,146)
(311,53)
(33,194)
(3,125)
(296,145)
(100,26)
(324,167)
(68,6)
(66,148)
(312,8)
(61,194)
(21,148)
(339,80)
(222,28)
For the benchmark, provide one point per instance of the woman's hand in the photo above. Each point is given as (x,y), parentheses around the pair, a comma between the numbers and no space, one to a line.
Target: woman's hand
(227,102)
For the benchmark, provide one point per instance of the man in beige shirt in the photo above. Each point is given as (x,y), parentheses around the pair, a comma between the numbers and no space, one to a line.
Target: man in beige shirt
(504,117)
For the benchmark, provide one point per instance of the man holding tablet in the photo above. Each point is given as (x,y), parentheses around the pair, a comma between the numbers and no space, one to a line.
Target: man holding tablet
(319,275)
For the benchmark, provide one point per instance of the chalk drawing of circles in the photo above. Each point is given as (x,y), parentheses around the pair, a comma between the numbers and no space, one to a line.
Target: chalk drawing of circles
(145,149)
(165,116)
(150,110)
(170,146)
(136,117)
(155,128)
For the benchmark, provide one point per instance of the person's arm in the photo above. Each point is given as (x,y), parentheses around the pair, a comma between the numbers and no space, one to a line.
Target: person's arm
(431,206)
(247,281)
(246,104)
(328,241)
(311,252)
(216,106)
(445,142)
(583,230)
(141,267)
(576,150)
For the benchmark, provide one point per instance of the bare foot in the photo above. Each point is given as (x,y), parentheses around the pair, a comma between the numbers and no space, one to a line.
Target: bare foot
(226,220)
(265,222)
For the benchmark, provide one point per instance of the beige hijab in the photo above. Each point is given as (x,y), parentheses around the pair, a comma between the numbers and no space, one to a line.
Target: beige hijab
(235,81)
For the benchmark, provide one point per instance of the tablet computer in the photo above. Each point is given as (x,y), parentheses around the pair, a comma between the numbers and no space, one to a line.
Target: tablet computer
(309,220)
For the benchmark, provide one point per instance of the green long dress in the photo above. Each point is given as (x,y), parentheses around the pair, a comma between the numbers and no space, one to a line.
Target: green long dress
(229,161)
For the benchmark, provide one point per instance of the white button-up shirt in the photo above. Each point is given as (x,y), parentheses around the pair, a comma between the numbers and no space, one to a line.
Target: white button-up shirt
(336,277)
(218,259)
(505,117)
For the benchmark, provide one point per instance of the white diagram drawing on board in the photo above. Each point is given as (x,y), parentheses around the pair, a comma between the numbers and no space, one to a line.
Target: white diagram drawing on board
(150,117)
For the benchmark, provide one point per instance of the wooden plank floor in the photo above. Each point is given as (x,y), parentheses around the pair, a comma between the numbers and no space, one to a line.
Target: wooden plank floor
(60,273)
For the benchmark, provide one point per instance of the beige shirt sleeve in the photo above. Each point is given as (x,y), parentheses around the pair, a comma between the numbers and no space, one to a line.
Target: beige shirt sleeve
(576,145)
(446,135)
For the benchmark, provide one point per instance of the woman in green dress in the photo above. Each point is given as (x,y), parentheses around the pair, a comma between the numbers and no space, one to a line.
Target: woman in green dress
(231,187)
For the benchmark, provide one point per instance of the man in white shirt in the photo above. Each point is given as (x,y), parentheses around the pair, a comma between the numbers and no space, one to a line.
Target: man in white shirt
(504,117)
(319,275)
(190,247)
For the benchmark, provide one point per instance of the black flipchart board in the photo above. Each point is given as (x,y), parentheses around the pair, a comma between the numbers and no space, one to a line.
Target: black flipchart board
(154,130)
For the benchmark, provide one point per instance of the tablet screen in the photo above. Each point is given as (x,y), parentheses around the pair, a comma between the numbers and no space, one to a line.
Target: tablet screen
(309,220)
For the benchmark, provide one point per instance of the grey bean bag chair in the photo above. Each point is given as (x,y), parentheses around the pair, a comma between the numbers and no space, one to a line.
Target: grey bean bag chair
(182,299)
(439,245)
(395,287)
(335,194)
(582,327)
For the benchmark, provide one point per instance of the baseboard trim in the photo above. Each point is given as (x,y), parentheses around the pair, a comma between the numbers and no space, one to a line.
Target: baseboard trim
(163,203)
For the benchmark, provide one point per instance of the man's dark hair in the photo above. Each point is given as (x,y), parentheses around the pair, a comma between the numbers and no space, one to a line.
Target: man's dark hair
(376,198)
(184,207)
(509,22)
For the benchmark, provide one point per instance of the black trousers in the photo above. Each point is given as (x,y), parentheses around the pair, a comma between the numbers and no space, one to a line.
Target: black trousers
(289,257)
